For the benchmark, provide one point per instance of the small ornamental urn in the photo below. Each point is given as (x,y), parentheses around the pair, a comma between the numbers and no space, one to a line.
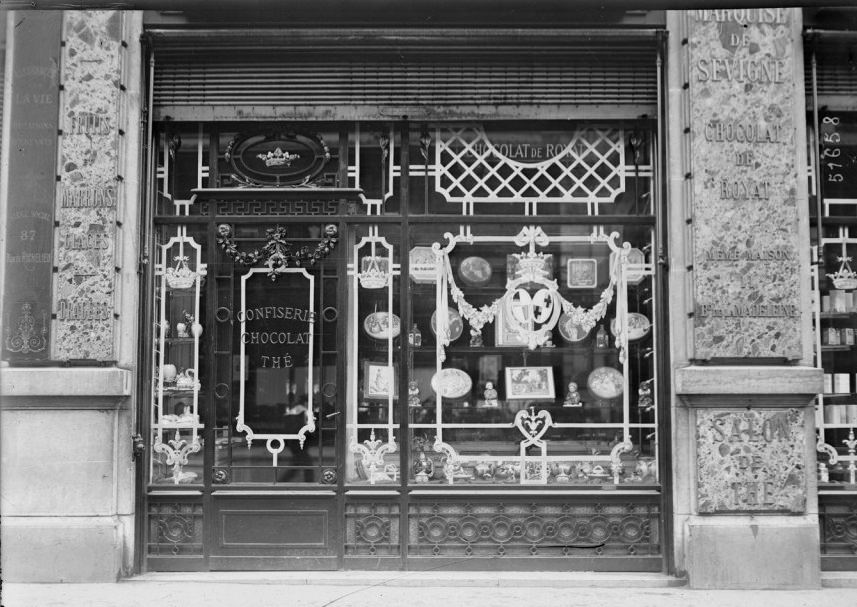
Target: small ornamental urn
(196,329)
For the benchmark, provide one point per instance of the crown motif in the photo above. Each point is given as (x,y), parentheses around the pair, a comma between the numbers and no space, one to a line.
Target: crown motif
(844,277)
(374,272)
(277,158)
(531,266)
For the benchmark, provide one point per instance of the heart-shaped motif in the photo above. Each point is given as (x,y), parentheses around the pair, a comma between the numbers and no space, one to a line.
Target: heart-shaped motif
(533,425)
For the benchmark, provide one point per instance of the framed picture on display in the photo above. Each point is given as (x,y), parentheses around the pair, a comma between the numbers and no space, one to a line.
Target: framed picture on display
(379,380)
(582,273)
(529,383)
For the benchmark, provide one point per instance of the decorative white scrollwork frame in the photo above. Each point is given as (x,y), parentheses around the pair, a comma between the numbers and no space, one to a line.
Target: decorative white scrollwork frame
(372,268)
(389,169)
(276,442)
(843,239)
(528,468)
(548,298)
(176,435)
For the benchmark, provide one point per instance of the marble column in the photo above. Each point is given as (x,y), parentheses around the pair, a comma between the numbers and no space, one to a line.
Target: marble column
(68,490)
(745,506)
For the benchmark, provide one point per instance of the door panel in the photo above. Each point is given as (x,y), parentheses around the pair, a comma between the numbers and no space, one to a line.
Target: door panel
(275,532)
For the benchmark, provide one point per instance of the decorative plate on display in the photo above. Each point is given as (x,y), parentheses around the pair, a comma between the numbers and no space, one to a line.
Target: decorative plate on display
(606,382)
(570,330)
(379,326)
(451,383)
(423,266)
(638,326)
(456,325)
(475,271)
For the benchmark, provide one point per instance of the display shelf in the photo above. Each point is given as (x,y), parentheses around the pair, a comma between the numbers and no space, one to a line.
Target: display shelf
(476,350)
(179,425)
(178,341)
(839,348)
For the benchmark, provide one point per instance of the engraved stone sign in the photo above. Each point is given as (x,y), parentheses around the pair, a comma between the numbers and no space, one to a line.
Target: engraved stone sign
(746,267)
(33,107)
(88,192)
(751,460)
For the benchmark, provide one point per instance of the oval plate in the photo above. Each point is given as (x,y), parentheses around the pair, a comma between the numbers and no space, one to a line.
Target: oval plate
(377,325)
(606,382)
(638,326)
(570,331)
(475,271)
(456,325)
(451,383)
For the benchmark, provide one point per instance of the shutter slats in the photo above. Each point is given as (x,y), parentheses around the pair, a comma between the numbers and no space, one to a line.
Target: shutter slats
(306,81)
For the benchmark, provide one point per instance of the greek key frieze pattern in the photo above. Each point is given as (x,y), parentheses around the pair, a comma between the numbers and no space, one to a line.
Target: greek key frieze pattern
(271,207)
(839,528)
(175,529)
(520,530)
(371,529)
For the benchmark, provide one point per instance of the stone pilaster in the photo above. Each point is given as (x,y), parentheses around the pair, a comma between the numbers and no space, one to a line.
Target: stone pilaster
(89,188)
(744,469)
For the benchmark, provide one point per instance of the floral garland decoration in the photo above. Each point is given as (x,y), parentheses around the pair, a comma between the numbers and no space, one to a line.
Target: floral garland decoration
(277,252)
(585,318)
(477,318)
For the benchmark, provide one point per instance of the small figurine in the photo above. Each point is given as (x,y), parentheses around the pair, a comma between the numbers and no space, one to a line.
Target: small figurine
(475,338)
(644,396)
(491,395)
(601,340)
(413,394)
(572,398)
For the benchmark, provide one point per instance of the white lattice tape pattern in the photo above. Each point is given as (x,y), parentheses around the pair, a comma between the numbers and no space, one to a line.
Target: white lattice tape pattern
(589,169)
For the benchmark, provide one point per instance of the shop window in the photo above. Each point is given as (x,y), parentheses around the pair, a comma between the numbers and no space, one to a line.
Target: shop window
(393,304)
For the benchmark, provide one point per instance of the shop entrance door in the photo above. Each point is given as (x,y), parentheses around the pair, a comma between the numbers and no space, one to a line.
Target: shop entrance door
(273,502)
(244,471)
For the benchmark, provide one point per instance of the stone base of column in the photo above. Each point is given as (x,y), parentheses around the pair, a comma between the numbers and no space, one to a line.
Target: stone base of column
(745,552)
(62,549)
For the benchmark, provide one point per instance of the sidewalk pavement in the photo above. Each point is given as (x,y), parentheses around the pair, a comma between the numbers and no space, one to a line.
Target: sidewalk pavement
(415,589)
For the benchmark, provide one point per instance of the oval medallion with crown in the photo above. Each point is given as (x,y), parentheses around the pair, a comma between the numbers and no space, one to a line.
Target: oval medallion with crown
(278,159)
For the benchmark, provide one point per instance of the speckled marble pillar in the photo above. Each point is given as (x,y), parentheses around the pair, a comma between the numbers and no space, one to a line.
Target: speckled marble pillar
(745,509)
(746,271)
(88,186)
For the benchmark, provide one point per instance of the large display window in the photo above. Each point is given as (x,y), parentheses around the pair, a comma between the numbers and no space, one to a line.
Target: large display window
(404,309)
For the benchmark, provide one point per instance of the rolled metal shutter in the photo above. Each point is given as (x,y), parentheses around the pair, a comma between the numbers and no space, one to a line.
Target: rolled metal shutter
(381,82)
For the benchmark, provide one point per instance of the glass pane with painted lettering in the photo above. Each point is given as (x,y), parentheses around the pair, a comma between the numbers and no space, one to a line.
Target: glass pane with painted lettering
(278,316)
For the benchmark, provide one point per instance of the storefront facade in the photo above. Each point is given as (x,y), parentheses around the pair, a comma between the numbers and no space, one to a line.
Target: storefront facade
(527,296)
